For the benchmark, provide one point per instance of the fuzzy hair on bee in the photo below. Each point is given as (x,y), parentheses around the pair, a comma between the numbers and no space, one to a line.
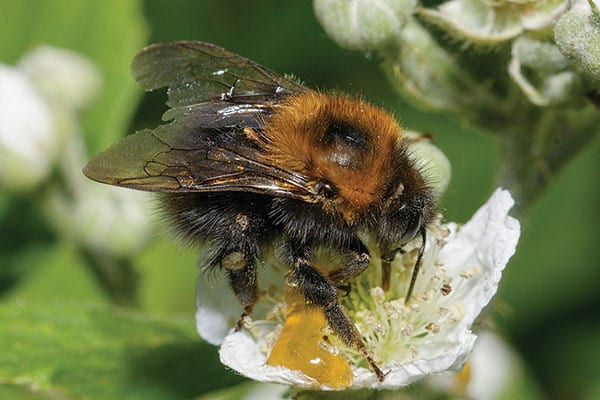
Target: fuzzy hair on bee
(250,160)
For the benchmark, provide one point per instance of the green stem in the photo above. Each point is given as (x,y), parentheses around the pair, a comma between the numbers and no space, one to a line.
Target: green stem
(538,146)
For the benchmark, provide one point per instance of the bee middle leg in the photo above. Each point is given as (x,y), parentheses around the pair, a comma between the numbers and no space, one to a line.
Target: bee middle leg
(243,281)
(237,255)
(319,291)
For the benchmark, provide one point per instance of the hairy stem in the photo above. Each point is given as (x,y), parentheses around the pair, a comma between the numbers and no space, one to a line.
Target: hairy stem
(538,146)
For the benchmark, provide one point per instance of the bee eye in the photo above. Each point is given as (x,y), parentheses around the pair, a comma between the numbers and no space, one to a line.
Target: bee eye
(414,220)
(324,189)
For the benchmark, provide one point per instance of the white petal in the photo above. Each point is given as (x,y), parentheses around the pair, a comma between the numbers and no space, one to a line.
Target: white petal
(240,352)
(216,309)
(403,374)
(487,242)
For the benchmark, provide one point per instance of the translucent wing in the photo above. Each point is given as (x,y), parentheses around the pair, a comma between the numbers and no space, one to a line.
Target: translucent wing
(201,74)
(214,96)
(163,161)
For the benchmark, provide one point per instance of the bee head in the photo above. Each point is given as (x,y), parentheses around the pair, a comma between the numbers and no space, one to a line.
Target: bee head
(407,207)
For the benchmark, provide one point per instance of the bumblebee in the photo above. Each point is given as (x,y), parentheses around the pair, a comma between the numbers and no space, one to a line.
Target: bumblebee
(249,159)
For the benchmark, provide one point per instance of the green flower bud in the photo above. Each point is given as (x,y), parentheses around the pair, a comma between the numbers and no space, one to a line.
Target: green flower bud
(540,70)
(425,74)
(493,22)
(539,55)
(431,161)
(363,24)
(577,34)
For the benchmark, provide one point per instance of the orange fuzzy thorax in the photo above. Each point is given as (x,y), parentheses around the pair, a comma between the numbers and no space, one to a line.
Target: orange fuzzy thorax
(295,140)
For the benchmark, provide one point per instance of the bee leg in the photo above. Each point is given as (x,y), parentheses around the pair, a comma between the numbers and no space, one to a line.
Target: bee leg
(341,325)
(238,246)
(319,291)
(386,266)
(241,271)
(359,262)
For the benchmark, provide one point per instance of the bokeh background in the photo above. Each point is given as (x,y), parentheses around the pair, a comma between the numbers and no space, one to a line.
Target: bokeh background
(61,328)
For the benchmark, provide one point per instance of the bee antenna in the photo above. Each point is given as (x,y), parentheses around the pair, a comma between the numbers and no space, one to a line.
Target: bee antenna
(415,273)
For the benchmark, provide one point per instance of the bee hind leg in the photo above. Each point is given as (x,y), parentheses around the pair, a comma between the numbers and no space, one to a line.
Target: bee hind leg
(318,291)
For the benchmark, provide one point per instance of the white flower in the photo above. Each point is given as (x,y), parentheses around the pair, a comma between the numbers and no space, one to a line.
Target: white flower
(28,139)
(64,77)
(38,101)
(494,372)
(461,270)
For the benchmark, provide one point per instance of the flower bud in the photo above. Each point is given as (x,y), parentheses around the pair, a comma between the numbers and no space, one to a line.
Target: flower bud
(428,76)
(541,56)
(577,35)
(431,160)
(363,24)
(493,22)
(37,101)
(540,70)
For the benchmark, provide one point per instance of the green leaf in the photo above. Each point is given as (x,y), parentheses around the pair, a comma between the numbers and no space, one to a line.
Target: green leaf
(104,353)
(108,32)
(28,241)
(249,390)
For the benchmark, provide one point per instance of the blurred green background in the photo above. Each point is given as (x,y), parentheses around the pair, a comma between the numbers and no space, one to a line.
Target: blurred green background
(548,306)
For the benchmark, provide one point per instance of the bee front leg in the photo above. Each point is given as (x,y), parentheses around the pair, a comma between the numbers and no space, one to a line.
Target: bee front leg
(318,291)
(359,261)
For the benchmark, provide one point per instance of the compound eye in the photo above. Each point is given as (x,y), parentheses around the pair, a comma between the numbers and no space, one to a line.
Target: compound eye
(414,220)
(325,189)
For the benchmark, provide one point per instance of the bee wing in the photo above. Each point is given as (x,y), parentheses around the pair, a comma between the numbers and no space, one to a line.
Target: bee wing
(163,160)
(213,94)
(204,79)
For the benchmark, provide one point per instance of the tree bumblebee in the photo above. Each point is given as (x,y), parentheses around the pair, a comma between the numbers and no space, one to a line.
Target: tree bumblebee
(250,159)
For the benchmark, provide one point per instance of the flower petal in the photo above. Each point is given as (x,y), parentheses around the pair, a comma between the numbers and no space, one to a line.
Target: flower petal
(216,309)
(240,352)
(403,374)
(488,240)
